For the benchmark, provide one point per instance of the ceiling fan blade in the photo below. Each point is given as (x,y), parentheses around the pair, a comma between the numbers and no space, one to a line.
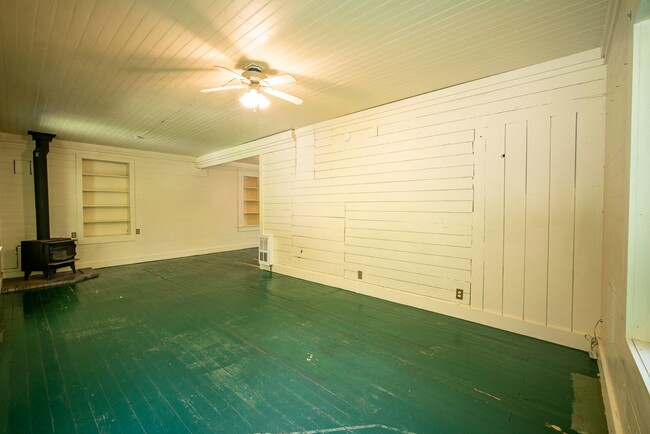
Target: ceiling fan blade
(215,89)
(284,96)
(278,79)
(236,74)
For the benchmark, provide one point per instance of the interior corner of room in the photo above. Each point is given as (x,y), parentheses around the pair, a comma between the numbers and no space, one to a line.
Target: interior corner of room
(501,181)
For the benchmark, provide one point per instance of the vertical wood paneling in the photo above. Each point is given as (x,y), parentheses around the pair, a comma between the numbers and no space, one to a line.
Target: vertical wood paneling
(514,239)
(588,221)
(494,203)
(561,221)
(478,222)
(537,202)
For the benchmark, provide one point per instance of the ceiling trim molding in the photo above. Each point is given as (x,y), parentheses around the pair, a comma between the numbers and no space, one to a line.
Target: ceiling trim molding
(18,139)
(592,56)
(114,150)
(14,138)
(238,165)
(246,150)
(613,9)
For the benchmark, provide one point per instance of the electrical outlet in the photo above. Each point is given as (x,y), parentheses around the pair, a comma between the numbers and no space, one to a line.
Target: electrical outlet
(459,293)
(137,231)
(73,235)
(359,274)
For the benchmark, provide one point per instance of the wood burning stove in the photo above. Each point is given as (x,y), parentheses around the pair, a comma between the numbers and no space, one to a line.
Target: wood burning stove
(45,254)
(48,255)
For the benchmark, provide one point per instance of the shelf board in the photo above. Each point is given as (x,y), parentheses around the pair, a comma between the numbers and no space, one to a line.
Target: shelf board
(103,190)
(106,206)
(105,221)
(105,175)
(251,213)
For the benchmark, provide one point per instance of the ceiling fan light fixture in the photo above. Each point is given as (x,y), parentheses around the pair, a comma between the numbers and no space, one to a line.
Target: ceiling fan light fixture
(253,99)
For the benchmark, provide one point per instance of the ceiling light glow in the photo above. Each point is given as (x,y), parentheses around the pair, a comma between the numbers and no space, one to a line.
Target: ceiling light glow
(254,100)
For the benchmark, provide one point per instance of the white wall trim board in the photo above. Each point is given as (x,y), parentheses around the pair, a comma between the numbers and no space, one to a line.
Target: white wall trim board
(245,150)
(538,331)
(103,263)
(90,147)
(627,396)
(608,387)
(613,11)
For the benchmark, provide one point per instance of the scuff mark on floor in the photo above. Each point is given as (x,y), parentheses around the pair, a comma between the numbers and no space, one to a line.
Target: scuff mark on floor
(384,390)
(353,428)
(111,324)
(555,427)
(587,409)
(431,351)
(487,394)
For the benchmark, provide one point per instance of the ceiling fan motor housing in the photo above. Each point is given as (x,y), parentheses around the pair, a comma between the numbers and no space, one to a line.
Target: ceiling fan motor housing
(254,73)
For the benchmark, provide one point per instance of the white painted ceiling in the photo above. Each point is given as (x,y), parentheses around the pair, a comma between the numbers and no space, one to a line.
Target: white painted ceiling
(104,72)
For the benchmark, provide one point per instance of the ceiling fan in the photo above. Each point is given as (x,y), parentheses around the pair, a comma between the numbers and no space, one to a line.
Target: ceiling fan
(258,84)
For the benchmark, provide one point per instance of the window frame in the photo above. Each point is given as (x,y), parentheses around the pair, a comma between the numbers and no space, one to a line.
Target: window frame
(637,328)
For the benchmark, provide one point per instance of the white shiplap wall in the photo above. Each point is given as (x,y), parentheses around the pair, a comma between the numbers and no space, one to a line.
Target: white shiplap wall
(493,187)
(178,212)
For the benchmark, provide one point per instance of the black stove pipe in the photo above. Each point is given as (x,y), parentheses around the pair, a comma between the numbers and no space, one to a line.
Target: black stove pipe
(41,198)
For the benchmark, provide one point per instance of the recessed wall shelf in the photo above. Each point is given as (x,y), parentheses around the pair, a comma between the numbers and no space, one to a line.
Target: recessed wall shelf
(249,204)
(106,208)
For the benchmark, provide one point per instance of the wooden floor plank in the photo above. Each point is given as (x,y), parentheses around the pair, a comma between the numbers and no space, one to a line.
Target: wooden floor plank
(211,344)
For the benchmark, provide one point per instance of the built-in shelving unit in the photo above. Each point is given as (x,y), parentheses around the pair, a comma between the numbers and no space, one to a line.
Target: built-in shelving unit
(106,191)
(249,203)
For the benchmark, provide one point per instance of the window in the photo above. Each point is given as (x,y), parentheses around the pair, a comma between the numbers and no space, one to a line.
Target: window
(106,199)
(249,201)
(638,278)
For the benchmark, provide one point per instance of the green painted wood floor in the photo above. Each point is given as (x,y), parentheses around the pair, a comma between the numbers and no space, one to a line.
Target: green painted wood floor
(211,344)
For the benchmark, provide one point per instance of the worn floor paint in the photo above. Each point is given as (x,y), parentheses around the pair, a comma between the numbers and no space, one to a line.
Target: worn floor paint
(211,344)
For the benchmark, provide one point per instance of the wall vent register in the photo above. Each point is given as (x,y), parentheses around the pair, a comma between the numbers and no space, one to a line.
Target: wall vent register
(266,250)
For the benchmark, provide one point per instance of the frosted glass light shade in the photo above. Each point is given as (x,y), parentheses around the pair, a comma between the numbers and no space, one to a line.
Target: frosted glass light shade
(254,100)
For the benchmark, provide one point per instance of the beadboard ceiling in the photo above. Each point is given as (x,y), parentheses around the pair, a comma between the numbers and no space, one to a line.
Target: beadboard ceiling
(106,72)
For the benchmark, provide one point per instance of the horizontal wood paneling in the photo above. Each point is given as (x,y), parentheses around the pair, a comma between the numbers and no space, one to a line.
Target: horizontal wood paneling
(277,171)
(479,188)
(389,166)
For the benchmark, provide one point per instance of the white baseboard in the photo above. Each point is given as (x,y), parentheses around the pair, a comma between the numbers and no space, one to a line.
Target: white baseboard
(609,399)
(102,263)
(562,337)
